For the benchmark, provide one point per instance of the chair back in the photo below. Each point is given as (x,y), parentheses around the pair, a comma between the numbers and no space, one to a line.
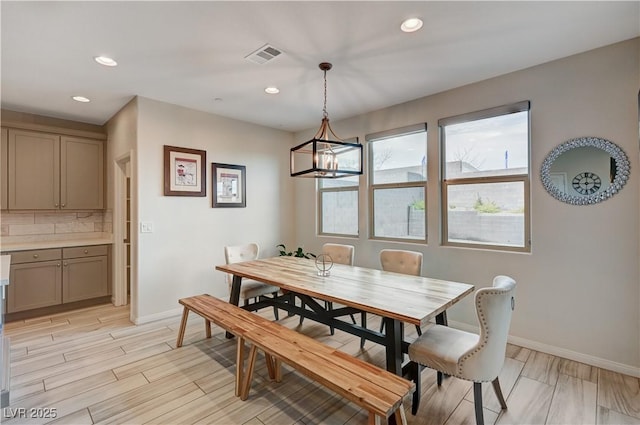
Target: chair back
(239,253)
(401,261)
(494,307)
(340,254)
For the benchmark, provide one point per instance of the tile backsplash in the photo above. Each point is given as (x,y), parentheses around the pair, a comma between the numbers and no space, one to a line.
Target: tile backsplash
(14,225)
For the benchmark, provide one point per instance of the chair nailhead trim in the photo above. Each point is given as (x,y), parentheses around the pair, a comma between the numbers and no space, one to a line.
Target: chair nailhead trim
(484,325)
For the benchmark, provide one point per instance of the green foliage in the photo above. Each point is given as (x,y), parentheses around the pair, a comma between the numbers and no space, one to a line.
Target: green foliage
(489,207)
(418,205)
(297,253)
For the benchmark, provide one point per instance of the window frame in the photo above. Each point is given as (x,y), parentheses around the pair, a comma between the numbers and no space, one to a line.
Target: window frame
(383,135)
(353,188)
(524,178)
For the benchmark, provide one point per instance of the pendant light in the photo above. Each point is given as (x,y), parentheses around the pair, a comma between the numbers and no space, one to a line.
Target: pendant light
(326,155)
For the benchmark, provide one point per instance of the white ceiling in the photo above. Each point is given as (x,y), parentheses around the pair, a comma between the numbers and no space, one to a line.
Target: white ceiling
(190,53)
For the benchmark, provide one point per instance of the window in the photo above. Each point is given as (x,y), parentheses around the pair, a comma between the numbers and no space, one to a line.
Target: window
(338,200)
(338,205)
(485,184)
(397,183)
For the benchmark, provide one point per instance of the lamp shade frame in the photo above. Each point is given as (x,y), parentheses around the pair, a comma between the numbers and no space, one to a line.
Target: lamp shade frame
(316,170)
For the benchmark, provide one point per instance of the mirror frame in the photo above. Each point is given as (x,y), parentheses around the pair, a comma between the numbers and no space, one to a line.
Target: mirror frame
(622,170)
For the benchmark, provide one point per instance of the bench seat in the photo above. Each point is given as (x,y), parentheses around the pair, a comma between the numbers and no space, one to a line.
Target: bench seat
(376,390)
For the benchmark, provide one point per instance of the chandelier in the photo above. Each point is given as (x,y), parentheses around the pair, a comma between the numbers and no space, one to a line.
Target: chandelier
(326,155)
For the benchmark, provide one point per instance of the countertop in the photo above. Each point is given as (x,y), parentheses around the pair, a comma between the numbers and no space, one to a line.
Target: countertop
(61,243)
(5,263)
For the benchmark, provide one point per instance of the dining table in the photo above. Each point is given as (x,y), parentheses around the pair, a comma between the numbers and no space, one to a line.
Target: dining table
(398,298)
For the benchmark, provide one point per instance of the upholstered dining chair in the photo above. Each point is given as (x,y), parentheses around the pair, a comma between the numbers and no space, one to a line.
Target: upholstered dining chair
(340,254)
(477,358)
(401,261)
(250,289)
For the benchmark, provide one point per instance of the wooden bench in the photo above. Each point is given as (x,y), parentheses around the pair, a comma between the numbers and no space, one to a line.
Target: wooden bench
(378,391)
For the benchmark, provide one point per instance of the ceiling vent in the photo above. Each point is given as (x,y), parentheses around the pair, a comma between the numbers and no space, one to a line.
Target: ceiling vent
(264,54)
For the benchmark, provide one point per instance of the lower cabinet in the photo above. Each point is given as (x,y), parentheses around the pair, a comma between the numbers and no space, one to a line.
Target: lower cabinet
(84,273)
(34,285)
(43,278)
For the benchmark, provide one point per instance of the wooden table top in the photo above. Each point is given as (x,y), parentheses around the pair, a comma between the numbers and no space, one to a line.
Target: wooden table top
(411,299)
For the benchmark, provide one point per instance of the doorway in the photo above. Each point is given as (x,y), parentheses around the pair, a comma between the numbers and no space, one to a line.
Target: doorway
(123,287)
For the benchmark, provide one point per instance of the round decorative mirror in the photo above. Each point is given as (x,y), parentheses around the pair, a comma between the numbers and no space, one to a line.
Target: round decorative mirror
(585,170)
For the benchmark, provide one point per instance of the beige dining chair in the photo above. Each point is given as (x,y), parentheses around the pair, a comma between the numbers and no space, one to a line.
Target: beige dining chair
(340,254)
(249,289)
(400,261)
(465,355)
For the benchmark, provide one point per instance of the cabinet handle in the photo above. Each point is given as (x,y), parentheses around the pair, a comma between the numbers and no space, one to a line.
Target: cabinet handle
(65,264)
(63,205)
(36,256)
(58,264)
(86,251)
(56,205)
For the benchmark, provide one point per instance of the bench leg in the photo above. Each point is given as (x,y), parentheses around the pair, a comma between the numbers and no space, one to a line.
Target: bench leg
(273,367)
(248,374)
(374,419)
(401,417)
(239,365)
(207,328)
(183,326)
(270,366)
(278,372)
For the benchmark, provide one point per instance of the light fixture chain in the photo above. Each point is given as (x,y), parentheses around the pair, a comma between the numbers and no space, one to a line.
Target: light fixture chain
(325,114)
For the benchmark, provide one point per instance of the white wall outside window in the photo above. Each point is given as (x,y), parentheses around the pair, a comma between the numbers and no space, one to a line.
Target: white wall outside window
(398,178)
(485,183)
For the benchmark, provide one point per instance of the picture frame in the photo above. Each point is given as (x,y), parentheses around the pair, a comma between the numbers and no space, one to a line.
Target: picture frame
(229,185)
(184,171)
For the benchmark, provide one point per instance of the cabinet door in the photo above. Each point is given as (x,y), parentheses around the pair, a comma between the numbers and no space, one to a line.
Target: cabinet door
(34,170)
(34,285)
(82,173)
(4,194)
(85,278)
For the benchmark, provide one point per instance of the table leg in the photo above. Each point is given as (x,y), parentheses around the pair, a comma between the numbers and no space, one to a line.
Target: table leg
(394,334)
(234,297)
(394,337)
(441,319)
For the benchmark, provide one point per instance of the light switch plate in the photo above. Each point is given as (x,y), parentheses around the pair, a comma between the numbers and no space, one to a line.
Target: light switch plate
(146,227)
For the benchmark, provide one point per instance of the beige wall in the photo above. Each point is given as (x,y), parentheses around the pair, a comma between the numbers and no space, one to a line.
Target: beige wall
(178,258)
(122,131)
(578,289)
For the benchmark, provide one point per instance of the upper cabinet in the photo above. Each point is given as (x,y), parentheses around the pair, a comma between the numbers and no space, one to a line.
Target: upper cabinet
(50,171)
(81,173)
(34,170)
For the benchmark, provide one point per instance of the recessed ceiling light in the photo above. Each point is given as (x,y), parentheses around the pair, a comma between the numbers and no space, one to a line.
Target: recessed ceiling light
(81,99)
(106,61)
(272,90)
(411,25)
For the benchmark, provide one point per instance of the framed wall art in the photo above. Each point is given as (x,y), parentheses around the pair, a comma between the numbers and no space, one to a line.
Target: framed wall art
(184,172)
(229,185)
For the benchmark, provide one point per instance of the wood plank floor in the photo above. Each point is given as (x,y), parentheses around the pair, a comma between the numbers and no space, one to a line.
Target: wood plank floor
(95,367)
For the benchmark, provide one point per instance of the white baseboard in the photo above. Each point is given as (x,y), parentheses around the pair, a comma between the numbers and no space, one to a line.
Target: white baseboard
(561,352)
(157,316)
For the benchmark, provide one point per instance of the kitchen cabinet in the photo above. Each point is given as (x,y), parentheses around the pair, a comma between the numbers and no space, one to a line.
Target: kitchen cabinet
(36,280)
(85,272)
(49,171)
(81,173)
(49,277)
